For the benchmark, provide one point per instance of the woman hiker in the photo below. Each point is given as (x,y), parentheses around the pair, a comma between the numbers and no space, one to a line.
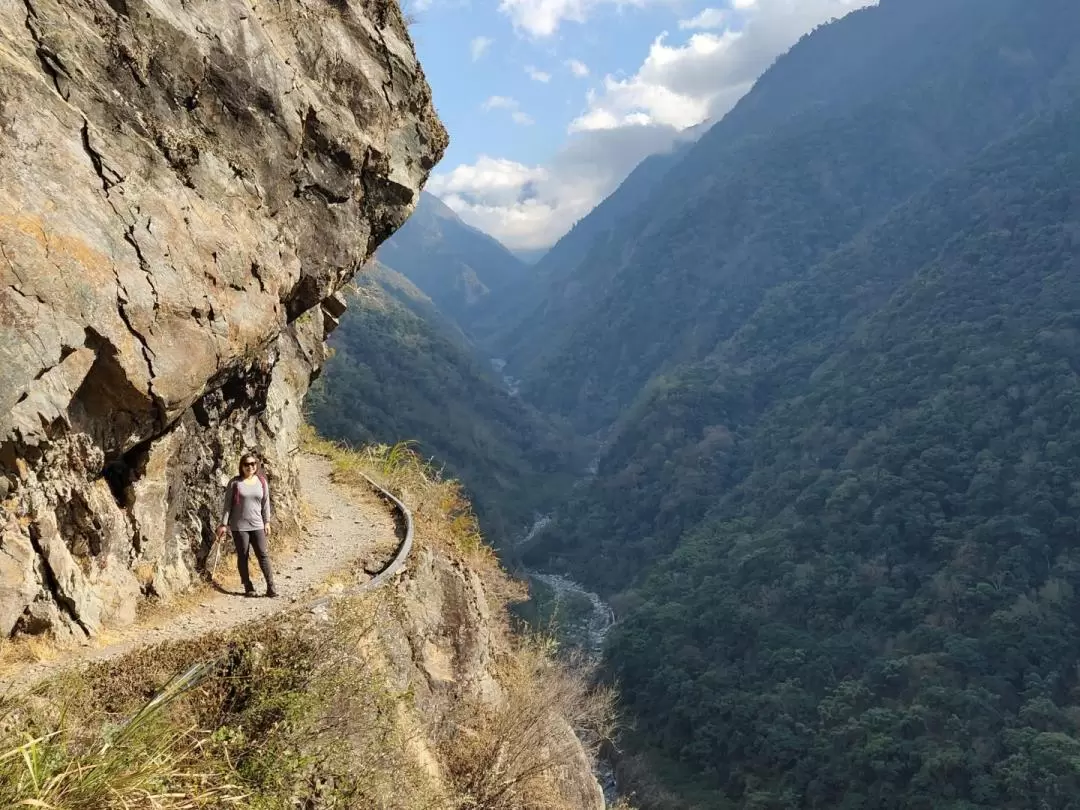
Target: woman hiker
(247,513)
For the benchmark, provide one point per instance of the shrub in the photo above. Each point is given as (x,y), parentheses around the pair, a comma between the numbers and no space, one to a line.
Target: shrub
(516,753)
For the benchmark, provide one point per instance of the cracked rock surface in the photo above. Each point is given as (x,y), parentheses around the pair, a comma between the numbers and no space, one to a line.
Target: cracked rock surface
(182,184)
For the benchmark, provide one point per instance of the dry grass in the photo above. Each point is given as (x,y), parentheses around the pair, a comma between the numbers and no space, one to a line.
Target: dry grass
(444,518)
(26,650)
(23,651)
(525,752)
(146,761)
(290,714)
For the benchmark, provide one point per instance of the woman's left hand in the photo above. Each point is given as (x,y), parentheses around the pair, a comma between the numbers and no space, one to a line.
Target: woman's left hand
(266,530)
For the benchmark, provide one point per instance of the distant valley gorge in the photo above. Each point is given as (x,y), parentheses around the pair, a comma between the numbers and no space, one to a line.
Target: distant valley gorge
(801,401)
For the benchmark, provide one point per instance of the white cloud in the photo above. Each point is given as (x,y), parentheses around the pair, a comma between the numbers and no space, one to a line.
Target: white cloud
(708,18)
(537,75)
(479,46)
(703,78)
(677,86)
(528,207)
(578,68)
(541,18)
(497,178)
(500,103)
(417,8)
(510,104)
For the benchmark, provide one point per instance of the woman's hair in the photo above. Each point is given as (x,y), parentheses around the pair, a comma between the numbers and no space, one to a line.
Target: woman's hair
(248,457)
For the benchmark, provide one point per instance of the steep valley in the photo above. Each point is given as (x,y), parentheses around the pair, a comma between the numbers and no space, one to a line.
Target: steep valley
(826,356)
(401,371)
(784,436)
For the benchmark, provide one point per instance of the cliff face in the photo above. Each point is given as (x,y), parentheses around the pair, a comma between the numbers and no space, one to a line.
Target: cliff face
(181,186)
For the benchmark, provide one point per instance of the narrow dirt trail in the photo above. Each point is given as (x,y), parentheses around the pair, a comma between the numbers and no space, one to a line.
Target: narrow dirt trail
(351,535)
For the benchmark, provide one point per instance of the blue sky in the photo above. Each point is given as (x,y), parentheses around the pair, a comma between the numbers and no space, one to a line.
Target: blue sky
(550,103)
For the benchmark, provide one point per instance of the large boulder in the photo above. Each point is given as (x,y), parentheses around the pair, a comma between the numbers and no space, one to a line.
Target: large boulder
(181,185)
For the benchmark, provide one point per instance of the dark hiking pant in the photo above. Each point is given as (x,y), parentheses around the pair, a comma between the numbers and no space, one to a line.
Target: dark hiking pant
(246,542)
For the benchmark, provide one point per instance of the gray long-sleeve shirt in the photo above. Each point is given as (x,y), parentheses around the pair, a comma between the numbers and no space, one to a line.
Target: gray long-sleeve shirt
(253,511)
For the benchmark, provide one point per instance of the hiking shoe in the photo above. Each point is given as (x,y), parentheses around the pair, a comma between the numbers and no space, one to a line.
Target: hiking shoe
(250,593)
(271,592)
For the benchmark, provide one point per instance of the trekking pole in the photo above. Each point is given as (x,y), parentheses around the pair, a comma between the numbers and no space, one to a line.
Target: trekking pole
(217,559)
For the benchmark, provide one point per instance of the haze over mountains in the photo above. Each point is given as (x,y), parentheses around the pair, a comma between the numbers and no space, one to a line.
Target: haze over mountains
(831,351)
(512,321)
(456,265)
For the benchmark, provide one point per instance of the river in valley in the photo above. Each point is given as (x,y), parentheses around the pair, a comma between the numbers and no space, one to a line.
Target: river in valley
(583,620)
(593,626)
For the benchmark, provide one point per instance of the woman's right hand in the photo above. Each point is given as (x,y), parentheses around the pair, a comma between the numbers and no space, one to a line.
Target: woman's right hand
(221,531)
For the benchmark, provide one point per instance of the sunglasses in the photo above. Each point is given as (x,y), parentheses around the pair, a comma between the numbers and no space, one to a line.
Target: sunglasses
(249,464)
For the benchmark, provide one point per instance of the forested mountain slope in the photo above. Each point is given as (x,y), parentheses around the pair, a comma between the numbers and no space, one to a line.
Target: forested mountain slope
(889,98)
(512,321)
(401,372)
(838,354)
(669,454)
(454,264)
(882,611)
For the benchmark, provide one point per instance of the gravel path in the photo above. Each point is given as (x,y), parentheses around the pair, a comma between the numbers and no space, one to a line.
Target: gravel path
(351,536)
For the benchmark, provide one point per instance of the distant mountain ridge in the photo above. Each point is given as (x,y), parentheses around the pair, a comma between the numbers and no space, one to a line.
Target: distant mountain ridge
(456,265)
(744,215)
(831,353)
(510,320)
(691,262)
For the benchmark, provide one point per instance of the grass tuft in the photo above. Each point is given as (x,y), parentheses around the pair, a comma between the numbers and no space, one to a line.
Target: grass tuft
(145,762)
